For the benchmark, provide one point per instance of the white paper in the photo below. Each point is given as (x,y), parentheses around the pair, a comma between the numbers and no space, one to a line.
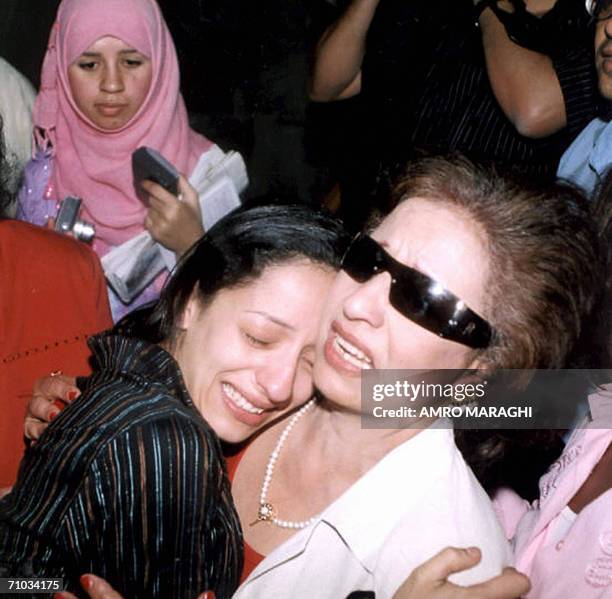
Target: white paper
(218,178)
(130,267)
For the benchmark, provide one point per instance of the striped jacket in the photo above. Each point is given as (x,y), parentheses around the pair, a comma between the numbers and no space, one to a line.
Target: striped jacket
(128,483)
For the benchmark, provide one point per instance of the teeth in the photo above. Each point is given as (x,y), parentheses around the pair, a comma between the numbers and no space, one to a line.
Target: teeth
(352,354)
(351,349)
(239,400)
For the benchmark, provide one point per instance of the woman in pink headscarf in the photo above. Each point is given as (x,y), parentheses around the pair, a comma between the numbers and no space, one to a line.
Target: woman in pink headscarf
(110,84)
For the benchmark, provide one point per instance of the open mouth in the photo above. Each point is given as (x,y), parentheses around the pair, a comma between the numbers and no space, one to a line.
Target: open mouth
(351,354)
(239,400)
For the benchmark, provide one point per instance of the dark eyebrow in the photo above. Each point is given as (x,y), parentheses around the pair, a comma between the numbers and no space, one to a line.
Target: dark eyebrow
(96,54)
(273,319)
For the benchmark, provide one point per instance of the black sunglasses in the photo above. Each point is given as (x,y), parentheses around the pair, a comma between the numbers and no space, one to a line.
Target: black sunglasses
(416,296)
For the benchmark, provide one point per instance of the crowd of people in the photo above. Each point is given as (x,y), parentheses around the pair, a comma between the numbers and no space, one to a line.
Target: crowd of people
(209,436)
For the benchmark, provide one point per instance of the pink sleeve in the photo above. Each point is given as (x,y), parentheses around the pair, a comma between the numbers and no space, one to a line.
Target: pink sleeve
(510,508)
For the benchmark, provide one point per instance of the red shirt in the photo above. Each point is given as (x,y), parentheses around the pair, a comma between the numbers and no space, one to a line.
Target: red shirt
(251,557)
(52,297)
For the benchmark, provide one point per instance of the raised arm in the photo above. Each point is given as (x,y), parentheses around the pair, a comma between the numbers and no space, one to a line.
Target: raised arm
(337,69)
(524,82)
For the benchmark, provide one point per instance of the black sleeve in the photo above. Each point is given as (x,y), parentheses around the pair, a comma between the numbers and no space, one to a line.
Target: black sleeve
(578,79)
(154,516)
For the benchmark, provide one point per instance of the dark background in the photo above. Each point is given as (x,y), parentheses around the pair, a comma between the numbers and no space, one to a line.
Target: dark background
(244,68)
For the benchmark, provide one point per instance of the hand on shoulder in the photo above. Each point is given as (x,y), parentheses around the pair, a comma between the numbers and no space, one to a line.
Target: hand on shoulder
(429,580)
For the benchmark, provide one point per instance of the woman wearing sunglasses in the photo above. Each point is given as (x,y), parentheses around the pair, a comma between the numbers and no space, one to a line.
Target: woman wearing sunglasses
(469,271)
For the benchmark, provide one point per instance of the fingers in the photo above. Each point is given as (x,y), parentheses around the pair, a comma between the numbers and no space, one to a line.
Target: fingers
(98,588)
(174,223)
(161,222)
(188,194)
(160,196)
(52,388)
(49,397)
(447,562)
(156,192)
(42,408)
(154,223)
(510,584)
(429,580)
(33,429)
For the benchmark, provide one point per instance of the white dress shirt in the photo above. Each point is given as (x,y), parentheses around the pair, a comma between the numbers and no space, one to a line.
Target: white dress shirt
(420,498)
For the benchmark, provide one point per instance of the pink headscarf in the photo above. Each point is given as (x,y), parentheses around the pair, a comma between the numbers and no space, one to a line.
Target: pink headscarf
(93,163)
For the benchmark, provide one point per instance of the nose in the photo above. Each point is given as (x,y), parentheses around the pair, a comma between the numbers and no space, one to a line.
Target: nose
(277,378)
(367,301)
(112,79)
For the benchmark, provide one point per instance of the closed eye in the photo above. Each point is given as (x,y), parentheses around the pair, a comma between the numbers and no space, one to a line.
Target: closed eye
(255,342)
(88,65)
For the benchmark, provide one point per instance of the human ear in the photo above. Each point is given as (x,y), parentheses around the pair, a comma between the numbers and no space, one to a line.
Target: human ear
(191,312)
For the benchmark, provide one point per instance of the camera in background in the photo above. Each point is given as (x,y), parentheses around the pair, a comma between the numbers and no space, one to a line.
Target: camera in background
(67,220)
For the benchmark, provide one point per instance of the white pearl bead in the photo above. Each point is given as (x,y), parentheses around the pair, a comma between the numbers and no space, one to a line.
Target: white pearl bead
(265,485)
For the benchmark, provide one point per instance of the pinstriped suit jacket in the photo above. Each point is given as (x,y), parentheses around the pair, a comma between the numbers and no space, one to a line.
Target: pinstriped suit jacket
(129,483)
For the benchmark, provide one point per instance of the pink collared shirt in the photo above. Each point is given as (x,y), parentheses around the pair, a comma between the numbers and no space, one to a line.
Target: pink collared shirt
(566,559)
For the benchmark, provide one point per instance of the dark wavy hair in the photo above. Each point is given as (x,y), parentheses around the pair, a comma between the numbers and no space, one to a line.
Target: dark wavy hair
(234,252)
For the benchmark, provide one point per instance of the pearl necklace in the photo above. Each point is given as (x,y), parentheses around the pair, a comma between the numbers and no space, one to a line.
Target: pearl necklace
(266,512)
